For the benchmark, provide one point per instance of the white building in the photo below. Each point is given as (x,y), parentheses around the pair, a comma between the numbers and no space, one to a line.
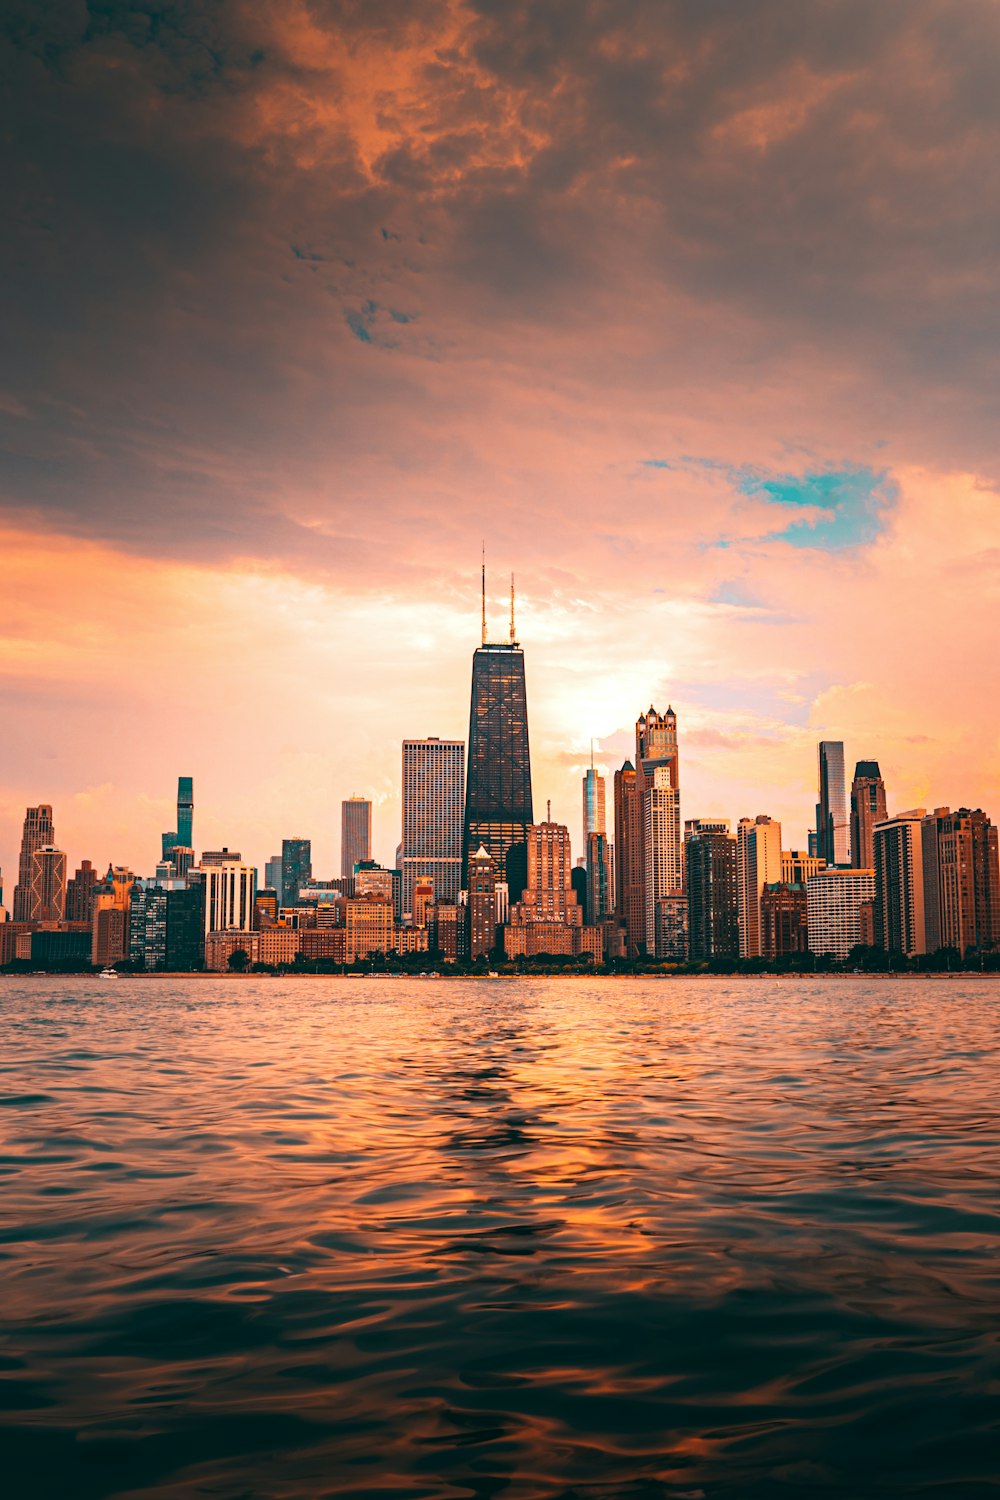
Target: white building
(230,893)
(834,898)
(758,863)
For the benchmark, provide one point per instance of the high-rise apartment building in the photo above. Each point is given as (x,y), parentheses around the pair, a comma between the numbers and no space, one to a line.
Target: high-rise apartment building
(594,812)
(355,833)
(230,891)
(38,832)
(433,814)
(783,920)
(80,893)
(600,879)
(48,885)
(629,906)
(663,870)
(758,863)
(710,854)
(900,918)
(272,873)
(296,868)
(549,895)
(498,808)
(961,881)
(835,901)
(110,907)
(832,825)
(481,899)
(867,808)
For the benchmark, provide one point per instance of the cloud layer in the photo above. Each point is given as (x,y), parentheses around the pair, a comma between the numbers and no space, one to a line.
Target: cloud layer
(688,310)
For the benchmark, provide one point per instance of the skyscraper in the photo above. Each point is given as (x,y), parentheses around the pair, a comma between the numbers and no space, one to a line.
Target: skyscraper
(80,893)
(713,927)
(628,860)
(498,810)
(355,833)
(961,880)
(549,895)
(758,863)
(663,871)
(900,919)
(482,912)
(834,904)
(185,812)
(48,885)
(38,832)
(433,810)
(658,788)
(296,868)
(272,873)
(867,808)
(832,826)
(594,815)
(600,881)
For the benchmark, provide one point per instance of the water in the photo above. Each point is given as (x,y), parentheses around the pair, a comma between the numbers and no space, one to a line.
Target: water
(697,1239)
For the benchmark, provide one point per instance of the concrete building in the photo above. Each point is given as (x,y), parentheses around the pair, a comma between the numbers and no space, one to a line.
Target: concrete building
(558,939)
(355,833)
(38,832)
(433,790)
(834,901)
(629,907)
(80,893)
(710,857)
(600,879)
(662,851)
(296,868)
(670,927)
(758,863)
(110,909)
(230,892)
(784,924)
(48,885)
(961,881)
(549,895)
(867,808)
(481,900)
(900,918)
(797,866)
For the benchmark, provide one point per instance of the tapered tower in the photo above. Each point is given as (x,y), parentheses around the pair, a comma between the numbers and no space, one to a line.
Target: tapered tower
(498,810)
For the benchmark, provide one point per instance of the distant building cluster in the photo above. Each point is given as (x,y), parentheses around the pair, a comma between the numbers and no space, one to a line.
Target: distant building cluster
(478,880)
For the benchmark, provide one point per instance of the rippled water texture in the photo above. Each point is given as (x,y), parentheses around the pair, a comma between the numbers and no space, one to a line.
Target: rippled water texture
(694,1238)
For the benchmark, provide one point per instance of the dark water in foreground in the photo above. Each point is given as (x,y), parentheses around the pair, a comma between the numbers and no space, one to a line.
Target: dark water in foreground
(373,1238)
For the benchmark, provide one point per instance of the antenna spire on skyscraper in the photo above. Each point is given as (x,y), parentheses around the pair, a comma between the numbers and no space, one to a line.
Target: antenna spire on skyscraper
(513,638)
(484,593)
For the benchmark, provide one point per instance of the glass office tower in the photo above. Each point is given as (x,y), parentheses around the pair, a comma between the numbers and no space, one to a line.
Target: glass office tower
(498,808)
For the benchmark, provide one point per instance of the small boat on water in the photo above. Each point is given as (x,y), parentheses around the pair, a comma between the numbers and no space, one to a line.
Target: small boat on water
(108,974)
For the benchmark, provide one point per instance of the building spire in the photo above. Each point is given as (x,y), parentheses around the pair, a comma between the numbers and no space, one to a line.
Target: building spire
(484,593)
(513,637)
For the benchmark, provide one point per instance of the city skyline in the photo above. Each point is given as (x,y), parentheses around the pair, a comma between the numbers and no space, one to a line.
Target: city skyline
(272,404)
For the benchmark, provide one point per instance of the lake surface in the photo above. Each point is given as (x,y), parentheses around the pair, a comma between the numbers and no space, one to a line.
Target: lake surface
(697,1239)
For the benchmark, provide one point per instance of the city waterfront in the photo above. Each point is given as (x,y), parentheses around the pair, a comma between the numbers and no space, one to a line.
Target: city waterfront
(695,1238)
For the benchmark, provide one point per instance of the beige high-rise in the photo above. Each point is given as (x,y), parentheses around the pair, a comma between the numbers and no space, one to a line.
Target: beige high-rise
(758,863)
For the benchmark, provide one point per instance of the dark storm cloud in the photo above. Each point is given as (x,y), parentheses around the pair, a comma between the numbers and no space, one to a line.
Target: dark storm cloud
(271,272)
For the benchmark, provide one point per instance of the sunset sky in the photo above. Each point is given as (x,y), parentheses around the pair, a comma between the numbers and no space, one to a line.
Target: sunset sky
(689,310)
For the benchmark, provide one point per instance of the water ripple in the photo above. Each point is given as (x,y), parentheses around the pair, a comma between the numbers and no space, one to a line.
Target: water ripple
(698,1240)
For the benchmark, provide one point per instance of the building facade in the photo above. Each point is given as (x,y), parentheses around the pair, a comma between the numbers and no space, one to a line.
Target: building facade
(900,918)
(784,924)
(713,922)
(498,806)
(48,885)
(594,809)
(38,832)
(355,833)
(433,791)
(832,824)
(867,808)
(834,902)
(629,905)
(961,881)
(758,863)
(296,868)
(481,903)
(600,880)
(230,897)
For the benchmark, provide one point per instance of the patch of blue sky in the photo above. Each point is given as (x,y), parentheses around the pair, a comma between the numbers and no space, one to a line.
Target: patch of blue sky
(848,505)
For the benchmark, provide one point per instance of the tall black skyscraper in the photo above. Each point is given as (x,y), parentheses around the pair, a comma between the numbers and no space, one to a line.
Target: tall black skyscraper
(498,782)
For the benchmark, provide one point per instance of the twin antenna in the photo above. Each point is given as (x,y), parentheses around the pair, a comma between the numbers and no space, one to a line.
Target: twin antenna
(513,638)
